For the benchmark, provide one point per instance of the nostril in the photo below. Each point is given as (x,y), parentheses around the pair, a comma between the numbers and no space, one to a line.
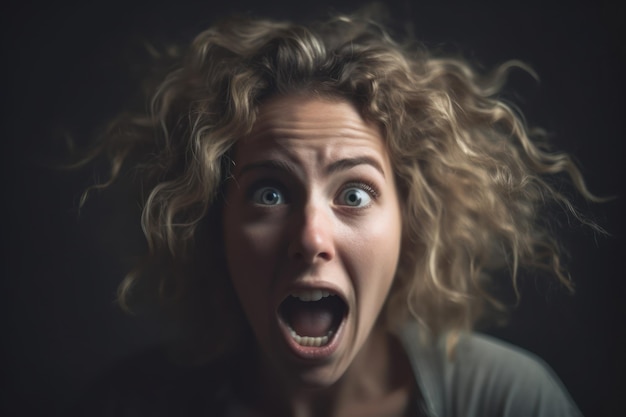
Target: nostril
(310,254)
(325,255)
(312,239)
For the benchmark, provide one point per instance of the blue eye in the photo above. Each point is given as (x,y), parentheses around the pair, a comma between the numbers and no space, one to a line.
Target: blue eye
(354,197)
(268,196)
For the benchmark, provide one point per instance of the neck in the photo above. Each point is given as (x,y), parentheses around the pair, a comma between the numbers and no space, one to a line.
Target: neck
(378,382)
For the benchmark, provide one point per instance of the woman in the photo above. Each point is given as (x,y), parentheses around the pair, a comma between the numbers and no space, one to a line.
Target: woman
(325,212)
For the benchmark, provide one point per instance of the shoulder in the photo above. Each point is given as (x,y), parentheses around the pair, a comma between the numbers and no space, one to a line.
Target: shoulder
(152,384)
(491,359)
(485,377)
(492,377)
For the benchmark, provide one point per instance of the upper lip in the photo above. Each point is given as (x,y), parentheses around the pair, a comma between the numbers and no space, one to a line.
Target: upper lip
(322,286)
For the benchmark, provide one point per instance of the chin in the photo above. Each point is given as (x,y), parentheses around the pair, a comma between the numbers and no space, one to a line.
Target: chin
(315,379)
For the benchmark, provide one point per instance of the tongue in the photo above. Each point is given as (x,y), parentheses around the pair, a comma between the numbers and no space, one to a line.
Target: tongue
(311,319)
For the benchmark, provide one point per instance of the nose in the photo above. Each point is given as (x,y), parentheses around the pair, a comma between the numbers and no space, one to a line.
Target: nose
(312,236)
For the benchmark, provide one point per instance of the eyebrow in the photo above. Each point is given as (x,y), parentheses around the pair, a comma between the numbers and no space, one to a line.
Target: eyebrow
(269,164)
(347,163)
(340,165)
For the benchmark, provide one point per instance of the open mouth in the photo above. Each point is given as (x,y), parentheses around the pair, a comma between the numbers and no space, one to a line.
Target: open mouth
(312,316)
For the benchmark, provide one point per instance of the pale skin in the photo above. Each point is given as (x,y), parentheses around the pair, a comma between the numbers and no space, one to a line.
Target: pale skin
(313,205)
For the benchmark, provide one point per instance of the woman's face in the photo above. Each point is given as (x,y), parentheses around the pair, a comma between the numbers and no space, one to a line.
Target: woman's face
(312,230)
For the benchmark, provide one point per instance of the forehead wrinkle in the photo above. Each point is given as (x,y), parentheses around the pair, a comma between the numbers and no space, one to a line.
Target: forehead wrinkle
(284,129)
(294,168)
(290,154)
(282,133)
(284,121)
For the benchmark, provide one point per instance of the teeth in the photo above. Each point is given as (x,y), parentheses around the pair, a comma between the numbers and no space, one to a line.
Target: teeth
(307,296)
(310,295)
(309,340)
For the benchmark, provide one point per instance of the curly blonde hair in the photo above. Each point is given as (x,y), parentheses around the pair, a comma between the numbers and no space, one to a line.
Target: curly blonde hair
(473,178)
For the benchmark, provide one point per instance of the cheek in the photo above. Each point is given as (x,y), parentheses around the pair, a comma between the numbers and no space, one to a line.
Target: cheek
(376,257)
(381,240)
(251,253)
(251,242)
(243,269)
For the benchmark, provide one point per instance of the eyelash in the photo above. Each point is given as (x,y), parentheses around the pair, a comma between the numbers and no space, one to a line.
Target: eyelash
(363,185)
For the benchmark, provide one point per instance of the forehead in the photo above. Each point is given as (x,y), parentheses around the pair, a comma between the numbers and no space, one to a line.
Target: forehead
(322,128)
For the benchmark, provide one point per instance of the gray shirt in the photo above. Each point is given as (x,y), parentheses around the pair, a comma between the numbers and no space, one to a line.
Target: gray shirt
(484,377)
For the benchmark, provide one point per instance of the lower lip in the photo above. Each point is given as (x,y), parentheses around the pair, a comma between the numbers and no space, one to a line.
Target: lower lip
(313,353)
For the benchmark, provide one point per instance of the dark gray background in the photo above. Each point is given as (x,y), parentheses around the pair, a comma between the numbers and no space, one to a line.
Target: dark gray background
(67,67)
